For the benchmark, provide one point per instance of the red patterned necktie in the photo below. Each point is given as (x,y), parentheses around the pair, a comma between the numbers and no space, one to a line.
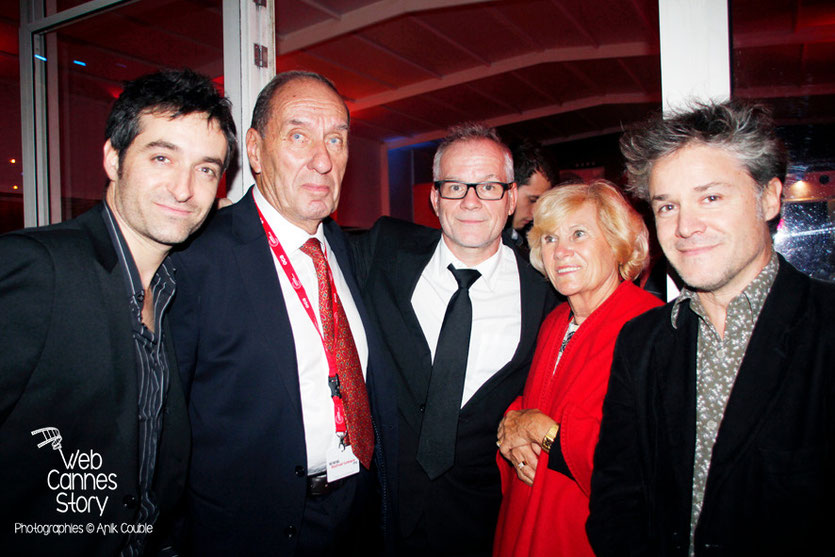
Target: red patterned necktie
(341,344)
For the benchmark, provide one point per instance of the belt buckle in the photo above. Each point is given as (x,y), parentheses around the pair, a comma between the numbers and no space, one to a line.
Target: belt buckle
(318,485)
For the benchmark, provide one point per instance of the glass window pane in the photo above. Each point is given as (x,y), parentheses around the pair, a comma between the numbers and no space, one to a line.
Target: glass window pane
(783,55)
(11,180)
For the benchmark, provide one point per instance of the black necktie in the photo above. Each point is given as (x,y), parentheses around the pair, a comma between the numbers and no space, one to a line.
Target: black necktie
(436,446)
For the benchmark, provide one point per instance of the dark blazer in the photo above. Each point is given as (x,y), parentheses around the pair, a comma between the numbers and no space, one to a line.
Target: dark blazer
(247,484)
(460,507)
(67,361)
(771,486)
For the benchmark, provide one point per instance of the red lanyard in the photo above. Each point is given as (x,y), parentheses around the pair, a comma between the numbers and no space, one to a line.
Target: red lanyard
(333,377)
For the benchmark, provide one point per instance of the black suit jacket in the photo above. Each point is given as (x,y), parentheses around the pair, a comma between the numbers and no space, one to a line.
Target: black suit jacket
(248,475)
(67,361)
(770,487)
(460,508)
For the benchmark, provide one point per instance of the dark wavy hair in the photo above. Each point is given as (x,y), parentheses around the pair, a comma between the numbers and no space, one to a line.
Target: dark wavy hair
(743,128)
(174,92)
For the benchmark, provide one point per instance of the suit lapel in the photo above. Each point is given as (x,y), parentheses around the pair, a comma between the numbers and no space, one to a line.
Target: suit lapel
(674,362)
(532,287)
(259,280)
(116,310)
(409,263)
(761,374)
(340,251)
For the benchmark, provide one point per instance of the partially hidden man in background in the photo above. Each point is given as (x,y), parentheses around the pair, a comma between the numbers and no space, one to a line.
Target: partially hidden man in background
(459,311)
(534,176)
(718,427)
(292,417)
(93,427)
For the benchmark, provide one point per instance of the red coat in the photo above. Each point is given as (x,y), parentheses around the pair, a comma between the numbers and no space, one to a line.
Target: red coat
(549,518)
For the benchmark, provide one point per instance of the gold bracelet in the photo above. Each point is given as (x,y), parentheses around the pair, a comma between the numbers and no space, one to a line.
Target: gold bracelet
(549,438)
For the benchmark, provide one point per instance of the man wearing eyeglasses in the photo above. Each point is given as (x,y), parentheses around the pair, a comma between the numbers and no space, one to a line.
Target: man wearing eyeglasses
(459,312)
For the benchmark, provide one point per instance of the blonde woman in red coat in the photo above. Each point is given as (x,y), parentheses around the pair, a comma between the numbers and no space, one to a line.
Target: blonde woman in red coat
(591,245)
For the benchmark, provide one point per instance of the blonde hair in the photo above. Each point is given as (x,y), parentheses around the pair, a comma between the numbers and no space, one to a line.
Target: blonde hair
(622,226)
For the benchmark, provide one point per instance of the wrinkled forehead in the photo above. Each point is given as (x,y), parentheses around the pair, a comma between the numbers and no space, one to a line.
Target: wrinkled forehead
(307,100)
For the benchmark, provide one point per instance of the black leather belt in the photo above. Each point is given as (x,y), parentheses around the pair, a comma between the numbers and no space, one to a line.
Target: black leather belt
(318,485)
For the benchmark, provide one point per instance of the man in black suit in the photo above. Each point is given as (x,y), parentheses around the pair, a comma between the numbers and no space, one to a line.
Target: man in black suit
(451,398)
(93,428)
(717,433)
(275,470)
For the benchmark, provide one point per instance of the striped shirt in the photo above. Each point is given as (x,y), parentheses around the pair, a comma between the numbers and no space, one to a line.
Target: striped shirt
(152,371)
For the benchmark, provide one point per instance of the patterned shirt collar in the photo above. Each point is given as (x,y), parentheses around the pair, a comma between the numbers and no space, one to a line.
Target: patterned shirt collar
(753,295)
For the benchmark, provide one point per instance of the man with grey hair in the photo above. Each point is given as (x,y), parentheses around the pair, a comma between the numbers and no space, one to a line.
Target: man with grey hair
(718,432)
(288,391)
(460,312)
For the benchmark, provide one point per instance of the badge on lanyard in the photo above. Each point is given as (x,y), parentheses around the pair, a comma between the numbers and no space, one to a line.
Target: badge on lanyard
(341,462)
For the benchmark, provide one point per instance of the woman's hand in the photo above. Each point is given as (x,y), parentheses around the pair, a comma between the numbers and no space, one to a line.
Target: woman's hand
(524,460)
(519,436)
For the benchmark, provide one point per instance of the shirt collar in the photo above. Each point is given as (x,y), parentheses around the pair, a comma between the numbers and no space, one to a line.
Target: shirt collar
(488,268)
(754,294)
(291,236)
(133,281)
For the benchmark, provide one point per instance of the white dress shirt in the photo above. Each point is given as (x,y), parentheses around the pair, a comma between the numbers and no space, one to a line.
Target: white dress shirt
(317,405)
(497,310)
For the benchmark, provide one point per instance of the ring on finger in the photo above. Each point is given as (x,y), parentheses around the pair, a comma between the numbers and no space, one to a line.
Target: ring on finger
(521,464)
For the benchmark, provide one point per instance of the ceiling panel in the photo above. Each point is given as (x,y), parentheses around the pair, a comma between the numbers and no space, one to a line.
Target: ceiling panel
(389,69)
(485,38)
(345,6)
(515,90)
(526,64)
(817,60)
(768,66)
(543,22)
(292,15)
(425,46)
(469,100)
(350,83)
(608,22)
(754,16)
(430,108)
(393,124)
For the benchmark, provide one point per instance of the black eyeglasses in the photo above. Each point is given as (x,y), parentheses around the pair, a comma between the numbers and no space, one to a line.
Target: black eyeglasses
(487,191)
